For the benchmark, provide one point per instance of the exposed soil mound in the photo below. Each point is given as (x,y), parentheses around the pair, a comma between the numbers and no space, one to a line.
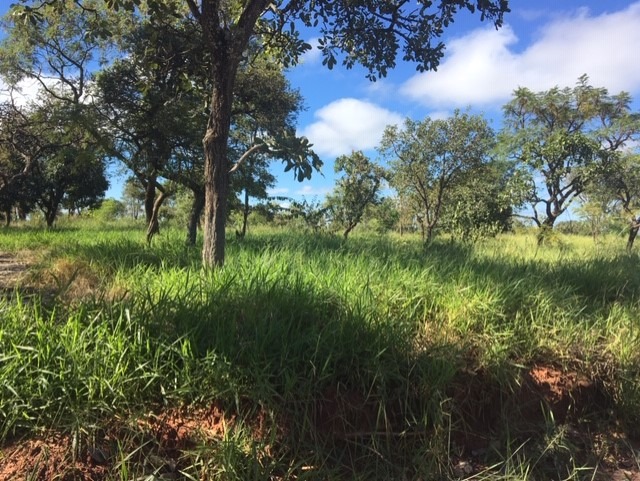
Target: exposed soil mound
(156,443)
(47,458)
(558,417)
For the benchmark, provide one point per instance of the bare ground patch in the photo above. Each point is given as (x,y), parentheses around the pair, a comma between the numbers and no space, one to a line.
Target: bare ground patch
(12,270)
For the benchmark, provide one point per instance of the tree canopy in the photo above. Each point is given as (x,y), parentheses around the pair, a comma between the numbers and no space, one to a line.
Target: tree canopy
(358,188)
(567,137)
(429,159)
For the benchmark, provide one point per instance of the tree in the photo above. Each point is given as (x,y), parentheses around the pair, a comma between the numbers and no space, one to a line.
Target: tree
(133,194)
(482,204)
(146,103)
(73,173)
(49,135)
(567,138)
(110,210)
(265,111)
(429,159)
(22,146)
(355,191)
(368,32)
(385,214)
(618,189)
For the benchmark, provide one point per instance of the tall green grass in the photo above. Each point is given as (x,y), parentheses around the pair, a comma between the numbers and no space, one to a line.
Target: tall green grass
(295,320)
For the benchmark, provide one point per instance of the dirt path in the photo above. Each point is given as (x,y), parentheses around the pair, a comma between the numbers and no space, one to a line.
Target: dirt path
(11,270)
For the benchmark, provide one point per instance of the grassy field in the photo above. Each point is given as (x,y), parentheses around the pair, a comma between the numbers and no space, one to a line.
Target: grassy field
(308,357)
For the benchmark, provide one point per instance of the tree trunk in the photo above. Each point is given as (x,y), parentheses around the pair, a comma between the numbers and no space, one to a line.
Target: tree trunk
(7,217)
(194,217)
(545,229)
(149,197)
(245,214)
(633,232)
(429,237)
(216,164)
(154,225)
(50,217)
(226,45)
(348,230)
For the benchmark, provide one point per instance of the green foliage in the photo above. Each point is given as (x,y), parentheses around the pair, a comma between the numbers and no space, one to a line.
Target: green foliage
(482,205)
(432,161)
(109,210)
(367,33)
(567,138)
(383,216)
(133,197)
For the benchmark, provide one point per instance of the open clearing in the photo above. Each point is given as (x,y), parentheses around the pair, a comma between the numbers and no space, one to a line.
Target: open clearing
(136,365)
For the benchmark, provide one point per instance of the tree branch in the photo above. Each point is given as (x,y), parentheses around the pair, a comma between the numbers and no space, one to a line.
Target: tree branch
(246,155)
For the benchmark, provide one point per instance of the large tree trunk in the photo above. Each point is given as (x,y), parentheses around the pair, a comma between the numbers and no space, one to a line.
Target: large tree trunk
(194,217)
(226,45)
(216,192)
(216,164)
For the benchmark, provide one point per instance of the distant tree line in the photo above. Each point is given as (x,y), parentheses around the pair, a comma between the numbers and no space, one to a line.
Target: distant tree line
(133,86)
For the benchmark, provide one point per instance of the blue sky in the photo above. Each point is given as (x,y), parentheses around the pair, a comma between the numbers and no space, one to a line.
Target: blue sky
(542,44)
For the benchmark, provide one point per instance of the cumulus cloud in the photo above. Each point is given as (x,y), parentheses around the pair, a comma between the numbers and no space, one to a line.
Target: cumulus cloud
(348,124)
(483,67)
(24,92)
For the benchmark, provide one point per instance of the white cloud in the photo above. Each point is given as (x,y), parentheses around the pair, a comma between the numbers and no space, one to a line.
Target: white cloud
(348,124)
(313,56)
(439,115)
(484,68)
(278,191)
(25,91)
(308,189)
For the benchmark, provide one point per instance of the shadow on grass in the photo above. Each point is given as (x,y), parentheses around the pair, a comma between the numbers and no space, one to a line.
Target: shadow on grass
(341,390)
(330,389)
